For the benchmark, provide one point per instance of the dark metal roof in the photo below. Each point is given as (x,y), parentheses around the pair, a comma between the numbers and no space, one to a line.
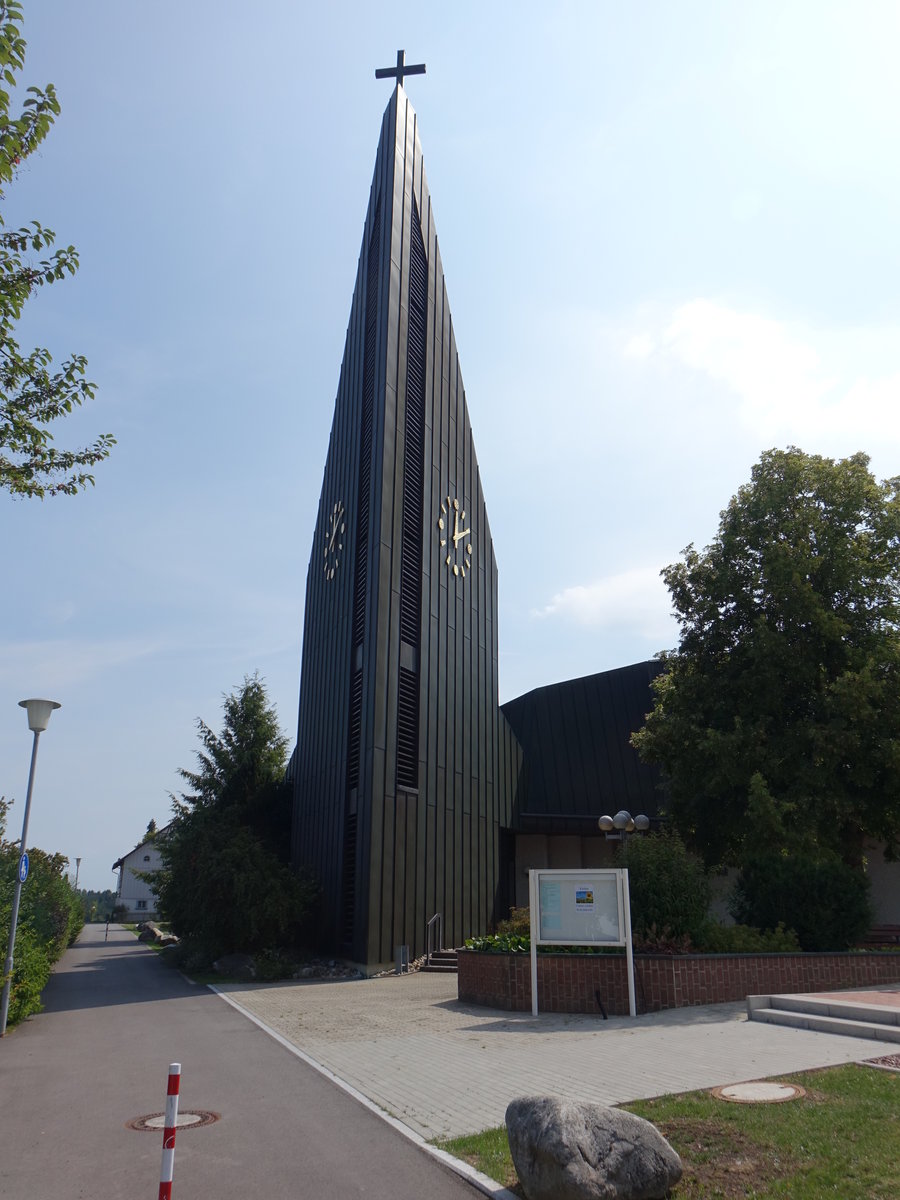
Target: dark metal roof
(578,760)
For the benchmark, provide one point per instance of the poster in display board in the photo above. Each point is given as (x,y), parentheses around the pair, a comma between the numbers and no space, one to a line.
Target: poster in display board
(580,908)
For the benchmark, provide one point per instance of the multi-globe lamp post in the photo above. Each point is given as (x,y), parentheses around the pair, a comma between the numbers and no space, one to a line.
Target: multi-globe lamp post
(38,719)
(623,824)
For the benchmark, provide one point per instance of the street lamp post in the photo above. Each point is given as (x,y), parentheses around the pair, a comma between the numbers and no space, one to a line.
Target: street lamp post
(38,718)
(623,822)
(622,825)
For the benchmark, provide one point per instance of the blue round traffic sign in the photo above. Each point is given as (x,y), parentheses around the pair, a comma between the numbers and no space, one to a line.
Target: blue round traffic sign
(23,868)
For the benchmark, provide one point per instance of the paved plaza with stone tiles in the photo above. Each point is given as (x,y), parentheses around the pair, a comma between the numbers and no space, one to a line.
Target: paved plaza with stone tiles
(445,1068)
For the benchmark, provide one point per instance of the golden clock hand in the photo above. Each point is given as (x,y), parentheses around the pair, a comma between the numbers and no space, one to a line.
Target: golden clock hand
(461,534)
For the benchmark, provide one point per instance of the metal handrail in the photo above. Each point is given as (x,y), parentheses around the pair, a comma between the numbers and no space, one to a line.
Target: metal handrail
(438,921)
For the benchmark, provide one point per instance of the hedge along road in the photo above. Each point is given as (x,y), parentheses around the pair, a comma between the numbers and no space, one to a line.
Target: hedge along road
(98,1056)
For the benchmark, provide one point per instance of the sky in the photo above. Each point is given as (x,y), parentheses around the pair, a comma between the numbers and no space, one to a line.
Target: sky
(670,240)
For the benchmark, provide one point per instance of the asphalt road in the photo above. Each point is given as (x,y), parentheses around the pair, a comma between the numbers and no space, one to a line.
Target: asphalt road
(98,1056)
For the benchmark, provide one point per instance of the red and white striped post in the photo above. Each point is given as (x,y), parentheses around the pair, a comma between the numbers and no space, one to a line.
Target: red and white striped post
(167,1168)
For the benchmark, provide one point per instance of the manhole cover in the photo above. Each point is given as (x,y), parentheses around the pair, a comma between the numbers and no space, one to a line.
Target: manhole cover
(189,1119)
(762,1092)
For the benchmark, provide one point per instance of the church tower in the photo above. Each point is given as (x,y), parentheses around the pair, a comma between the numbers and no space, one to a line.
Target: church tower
(404,764)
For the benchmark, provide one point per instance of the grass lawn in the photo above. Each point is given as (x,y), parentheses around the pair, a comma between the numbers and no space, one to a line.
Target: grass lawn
(841,1139)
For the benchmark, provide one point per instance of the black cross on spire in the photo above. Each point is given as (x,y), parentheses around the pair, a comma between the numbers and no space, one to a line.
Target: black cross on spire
(400,70)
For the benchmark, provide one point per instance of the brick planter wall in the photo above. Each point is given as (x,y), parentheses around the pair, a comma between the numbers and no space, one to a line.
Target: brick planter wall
(573,982)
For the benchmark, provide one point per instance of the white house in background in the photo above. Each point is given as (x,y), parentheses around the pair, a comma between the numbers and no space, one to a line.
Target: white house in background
(134,894)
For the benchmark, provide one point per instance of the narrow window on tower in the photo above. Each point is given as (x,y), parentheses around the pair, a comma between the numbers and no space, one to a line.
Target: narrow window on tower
(413,489)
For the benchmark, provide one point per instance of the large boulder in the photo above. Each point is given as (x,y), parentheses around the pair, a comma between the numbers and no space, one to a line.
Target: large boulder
(150,932)
(565,1150)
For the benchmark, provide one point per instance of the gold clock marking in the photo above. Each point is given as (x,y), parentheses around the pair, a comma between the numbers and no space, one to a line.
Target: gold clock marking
(455,539)
(334,544)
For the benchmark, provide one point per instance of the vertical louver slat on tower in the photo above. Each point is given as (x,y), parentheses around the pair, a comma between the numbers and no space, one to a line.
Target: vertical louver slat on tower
(348,893)
(360,582)
(354,731)
(413,487)
(365,442)
(407,728)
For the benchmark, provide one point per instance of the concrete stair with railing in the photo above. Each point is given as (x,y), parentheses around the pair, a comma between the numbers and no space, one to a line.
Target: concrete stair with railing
(444,961)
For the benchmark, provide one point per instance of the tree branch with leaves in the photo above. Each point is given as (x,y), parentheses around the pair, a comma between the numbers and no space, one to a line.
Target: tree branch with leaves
(32,394)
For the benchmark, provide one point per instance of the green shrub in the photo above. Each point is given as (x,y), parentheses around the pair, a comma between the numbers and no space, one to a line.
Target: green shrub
(191,954)
(517,943)
(822,899)
(31,970)
(271,965)
(519,921)
(501,943)
(669,887)
(661,941)
(744,939)
(50,918)
(49,904)
(712,938)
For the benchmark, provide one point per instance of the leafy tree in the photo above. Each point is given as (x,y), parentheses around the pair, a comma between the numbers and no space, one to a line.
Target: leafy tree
(32,394)
(777,718)
(226,884)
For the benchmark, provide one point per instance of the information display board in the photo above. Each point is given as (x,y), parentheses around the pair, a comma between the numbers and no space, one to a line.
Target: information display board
(580,908)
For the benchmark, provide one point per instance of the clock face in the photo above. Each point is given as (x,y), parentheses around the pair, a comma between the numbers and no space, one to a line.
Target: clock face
(455,537)
(334,539)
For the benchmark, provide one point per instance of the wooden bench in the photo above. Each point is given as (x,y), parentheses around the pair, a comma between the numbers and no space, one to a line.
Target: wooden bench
(882,935)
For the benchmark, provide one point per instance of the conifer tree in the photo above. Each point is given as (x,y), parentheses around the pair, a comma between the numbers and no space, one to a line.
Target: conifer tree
(226,883)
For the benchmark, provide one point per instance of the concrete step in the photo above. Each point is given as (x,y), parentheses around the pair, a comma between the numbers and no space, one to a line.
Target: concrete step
(442,960)
(798,1020)
(827,1016)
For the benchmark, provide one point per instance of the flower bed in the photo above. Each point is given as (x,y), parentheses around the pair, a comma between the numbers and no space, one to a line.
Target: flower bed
(582,983)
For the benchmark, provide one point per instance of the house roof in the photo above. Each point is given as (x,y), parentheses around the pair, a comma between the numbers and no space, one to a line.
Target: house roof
(146,842)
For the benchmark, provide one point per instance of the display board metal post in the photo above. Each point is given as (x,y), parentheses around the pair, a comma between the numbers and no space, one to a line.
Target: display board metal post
(580,908)
(629,954)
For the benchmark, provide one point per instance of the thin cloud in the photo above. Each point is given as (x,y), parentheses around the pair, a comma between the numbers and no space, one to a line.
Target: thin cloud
(791,383)
(636,599)
(64,662)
